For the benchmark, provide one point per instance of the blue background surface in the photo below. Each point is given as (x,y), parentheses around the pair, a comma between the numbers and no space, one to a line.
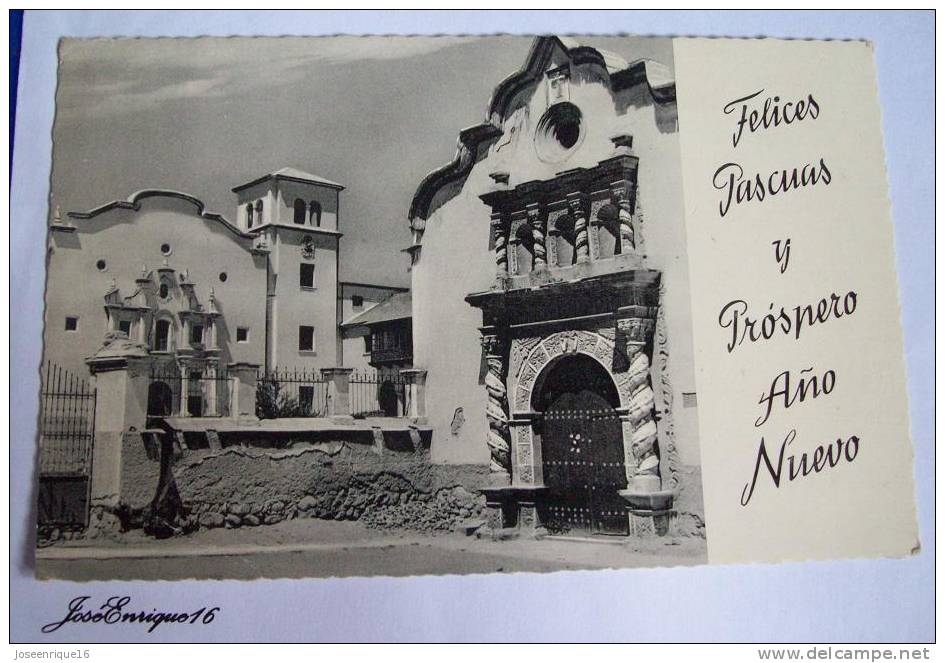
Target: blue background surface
(859,600)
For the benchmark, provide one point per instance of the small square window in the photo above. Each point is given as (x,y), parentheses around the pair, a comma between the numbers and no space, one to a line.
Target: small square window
(306,338)
(307,275)
(357,301)
(196,334)
(72,323)
(124,326)
(242,334)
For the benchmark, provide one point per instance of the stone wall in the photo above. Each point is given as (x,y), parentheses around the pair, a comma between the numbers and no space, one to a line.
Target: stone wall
(243,486)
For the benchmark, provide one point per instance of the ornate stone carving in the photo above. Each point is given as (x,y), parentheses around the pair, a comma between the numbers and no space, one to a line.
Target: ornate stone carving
(636,330)
(525,454)
(536,222)
(528,374)
(519,235)
(308,248)
(526,474)
(521,347)
(638,216)
(559,225)
(587,344)
(641,415)
(500,239)
(578,204)
(661,351)
(621,198)
(598,200)
(607,332)
(528,519)
(560,343)
(522,396)
(525,437)
(500,464)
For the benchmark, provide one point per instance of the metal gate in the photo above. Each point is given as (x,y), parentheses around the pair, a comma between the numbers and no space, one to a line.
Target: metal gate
(583,464)
(66,435)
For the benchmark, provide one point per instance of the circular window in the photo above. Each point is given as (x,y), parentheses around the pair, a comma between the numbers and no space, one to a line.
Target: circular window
(560,131)
(223,277)
(166,249)
(163,291)
(101,265)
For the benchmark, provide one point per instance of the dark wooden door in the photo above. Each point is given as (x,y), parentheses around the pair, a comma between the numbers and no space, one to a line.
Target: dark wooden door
(583,464)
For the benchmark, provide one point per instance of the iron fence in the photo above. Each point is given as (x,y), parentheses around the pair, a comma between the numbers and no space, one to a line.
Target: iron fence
(377,394)
(195,392)
(66,423)
(284,392)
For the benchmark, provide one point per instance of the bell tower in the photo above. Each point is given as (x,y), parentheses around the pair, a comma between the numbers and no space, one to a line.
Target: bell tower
(294,218)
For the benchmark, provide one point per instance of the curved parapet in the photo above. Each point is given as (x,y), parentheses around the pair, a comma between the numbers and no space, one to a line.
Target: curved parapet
(656,76)
(133,202)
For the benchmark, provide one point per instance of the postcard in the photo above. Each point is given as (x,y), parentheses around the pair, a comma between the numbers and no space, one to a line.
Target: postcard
(356,306)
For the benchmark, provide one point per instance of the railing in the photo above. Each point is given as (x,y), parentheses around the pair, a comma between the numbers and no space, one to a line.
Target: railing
(193,392)
(397,355)
(291,393)
(377,394)
(66,424)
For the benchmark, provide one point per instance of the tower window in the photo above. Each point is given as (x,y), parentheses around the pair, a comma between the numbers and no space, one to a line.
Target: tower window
(315,214)
(249,215)
(307,275)
(357,301)
(196,335)
(259,211)
(101,265)
(242,334)
(162,336)
(299,212)
(163,291)
(72,323)
(124,326)
(223,277)
(166,249)
(306,338)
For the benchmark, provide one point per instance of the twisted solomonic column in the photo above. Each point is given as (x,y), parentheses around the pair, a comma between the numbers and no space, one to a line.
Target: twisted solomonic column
(578,204)
(500,239)
(641,414)
(497,409)
(536,223)
(621,198)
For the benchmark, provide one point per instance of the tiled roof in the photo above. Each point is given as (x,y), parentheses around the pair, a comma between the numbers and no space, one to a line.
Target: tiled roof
(395,307)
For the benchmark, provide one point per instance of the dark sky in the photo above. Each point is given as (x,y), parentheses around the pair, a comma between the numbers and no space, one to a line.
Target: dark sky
(204,115)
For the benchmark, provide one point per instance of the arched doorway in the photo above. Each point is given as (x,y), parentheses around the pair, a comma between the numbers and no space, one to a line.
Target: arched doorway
(582,449)
(160,400)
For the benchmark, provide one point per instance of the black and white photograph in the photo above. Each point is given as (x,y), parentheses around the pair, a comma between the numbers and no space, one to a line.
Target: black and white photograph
(473,326)
(424,300)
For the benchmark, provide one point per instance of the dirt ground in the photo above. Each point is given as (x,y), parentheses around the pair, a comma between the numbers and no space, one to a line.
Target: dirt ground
(318,548)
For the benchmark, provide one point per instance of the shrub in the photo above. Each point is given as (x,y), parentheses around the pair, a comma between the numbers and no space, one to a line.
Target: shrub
(272,403)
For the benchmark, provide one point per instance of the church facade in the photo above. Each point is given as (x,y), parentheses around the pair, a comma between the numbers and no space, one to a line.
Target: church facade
(197,291)
(553,246)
